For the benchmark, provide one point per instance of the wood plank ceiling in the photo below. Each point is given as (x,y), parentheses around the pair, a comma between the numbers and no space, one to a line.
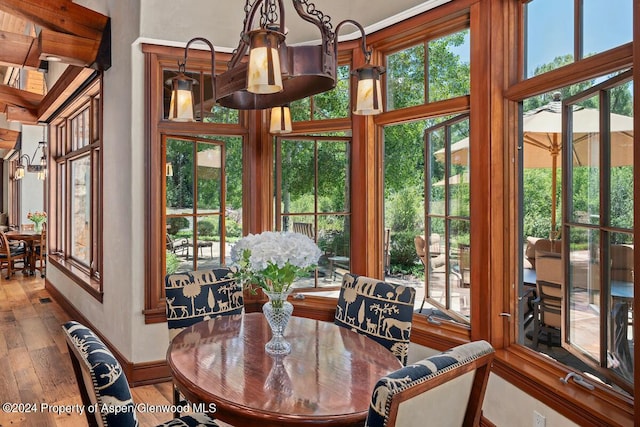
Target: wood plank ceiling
(33,32)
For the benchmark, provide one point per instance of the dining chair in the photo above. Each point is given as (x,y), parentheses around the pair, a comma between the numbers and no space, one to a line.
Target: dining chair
(380,310)
(548,310)
(27,227)
(10,253)
(194,296)
(103,385)
(447,388)
(40,252)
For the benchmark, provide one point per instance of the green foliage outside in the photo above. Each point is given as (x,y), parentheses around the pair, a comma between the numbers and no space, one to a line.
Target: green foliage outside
(172,262)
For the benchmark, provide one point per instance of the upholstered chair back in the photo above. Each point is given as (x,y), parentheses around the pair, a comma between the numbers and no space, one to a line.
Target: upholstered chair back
(380,310)
(199,295)
(103,385)
(446,389)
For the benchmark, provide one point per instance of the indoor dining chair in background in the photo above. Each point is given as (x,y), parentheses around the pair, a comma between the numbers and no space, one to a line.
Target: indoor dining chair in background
(380,310)
(194,296)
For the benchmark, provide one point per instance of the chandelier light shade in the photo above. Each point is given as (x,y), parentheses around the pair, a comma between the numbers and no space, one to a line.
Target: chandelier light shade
(280,120)
(263,73)
(368,91)
(181,108)
(275,73)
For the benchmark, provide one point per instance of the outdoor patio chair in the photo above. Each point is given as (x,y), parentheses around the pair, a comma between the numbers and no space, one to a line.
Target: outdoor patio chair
(304,228)
(447,388)
(103,384)
(175,245)
(380,310)
(548,310)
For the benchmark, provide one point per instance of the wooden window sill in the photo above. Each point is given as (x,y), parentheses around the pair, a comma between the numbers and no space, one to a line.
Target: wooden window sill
(90,284)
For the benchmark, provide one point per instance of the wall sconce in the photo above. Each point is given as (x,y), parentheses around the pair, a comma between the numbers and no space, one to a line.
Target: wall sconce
(40,168)
(280,120)
(277,74)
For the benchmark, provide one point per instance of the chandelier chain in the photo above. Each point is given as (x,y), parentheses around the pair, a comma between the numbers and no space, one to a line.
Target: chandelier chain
(268,13)
(324,20)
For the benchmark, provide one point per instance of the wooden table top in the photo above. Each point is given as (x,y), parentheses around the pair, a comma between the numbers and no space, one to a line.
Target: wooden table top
(23,234)
(326,380)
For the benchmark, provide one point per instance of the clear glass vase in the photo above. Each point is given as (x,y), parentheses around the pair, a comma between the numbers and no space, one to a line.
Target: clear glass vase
(278,312)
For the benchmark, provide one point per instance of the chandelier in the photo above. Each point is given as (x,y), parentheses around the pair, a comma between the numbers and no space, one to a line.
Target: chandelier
(276,74)
(39,168)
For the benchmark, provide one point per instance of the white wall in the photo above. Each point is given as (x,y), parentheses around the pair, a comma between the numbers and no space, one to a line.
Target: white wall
(505,405)
(31,188)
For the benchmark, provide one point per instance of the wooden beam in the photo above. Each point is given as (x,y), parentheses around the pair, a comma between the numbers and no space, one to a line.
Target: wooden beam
(16,48)
(59,15)
(21,98)
(70,49)
(72,78)
(80,35)
(8,138)
(23,115)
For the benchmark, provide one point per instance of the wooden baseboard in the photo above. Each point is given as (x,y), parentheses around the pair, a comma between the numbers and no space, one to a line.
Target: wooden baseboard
(137,373)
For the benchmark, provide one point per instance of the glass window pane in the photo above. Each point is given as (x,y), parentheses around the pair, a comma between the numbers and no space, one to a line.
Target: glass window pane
(584,291)
(437,180)
(179,182)
(81,209)
(405,78)
(599,18)
(621,203)
(300,110)
(620,331)
(549,37)
(206,250)
(585,185)
(334,104)
(449,72)
(459,171)
(459,254)
(298,177)
(209,173)
(333,168)
(333,240)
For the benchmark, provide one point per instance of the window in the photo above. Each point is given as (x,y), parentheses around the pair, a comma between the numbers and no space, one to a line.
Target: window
(558,34)
(333,104)
(446,63)
(203,200)
(313,198)
(76,188)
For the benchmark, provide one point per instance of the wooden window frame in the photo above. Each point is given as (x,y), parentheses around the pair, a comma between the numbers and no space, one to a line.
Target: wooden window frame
(88,96)
(158,59)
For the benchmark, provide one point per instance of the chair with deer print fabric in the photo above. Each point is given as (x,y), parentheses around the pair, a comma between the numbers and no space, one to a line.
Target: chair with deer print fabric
(103,385)
(380,310)
(199,295)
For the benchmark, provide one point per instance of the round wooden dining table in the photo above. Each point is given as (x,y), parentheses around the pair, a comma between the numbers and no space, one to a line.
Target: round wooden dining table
(326,380)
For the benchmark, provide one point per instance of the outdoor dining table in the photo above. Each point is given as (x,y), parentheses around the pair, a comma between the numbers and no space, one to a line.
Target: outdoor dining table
(30,237)
(326,380)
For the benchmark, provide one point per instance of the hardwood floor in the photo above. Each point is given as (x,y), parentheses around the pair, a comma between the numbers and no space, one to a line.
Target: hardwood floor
(35,368)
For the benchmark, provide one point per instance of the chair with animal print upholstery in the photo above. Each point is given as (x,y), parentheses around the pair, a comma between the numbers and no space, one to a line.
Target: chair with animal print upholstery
(103,385)
(381,310)
(447,388)
(199,295)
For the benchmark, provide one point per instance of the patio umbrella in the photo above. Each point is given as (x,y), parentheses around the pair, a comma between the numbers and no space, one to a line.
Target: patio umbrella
(542,136)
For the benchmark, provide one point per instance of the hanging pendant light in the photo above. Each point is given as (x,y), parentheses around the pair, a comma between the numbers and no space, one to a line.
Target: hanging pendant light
(263,73)
(368,90)
(280,120)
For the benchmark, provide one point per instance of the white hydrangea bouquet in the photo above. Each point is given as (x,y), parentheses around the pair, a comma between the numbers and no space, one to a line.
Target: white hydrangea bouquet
(273,260)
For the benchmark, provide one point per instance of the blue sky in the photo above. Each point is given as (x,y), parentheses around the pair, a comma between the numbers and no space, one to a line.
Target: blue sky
(607,23)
